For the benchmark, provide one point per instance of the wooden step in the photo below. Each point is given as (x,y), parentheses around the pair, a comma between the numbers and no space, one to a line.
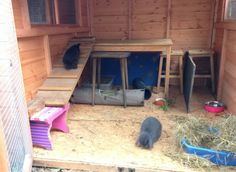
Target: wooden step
(82,60)
(63,73)
(54,84)
(55,98)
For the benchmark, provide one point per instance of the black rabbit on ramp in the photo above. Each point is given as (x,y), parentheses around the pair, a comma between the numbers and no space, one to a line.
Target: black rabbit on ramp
(150,132)
(71,57)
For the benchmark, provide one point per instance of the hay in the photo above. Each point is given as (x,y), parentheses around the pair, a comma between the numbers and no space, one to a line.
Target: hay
(218,134)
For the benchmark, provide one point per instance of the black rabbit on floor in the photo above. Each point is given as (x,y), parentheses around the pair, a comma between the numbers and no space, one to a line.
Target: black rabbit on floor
(150,132)
(71,57)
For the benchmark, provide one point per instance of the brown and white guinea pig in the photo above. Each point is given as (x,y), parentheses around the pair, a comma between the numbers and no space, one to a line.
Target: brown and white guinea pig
(71,57)
(150,132)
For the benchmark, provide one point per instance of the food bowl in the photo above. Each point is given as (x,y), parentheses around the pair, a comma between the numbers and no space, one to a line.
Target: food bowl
(214,106)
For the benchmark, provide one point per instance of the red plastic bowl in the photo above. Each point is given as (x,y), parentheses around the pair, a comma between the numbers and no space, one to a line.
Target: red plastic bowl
(214,106)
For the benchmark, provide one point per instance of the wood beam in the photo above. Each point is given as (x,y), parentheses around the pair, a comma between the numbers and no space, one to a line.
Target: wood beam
(78,12)
(213,28)
(88,16)
(91,17)
(50,30)
(168,20)
(25,14)
(56,9)
(222,66)
(223,12)
(47,54)
(130,7)
(226,25)
(48,14)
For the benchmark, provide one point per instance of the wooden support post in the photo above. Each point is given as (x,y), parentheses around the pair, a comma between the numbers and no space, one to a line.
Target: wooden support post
(222,66)
(99,60)
(130,6)
(57,14)
(122,68)
(224,9)
(168,19)
(181,74)
(167,79)
(126,73)
(159,73)
(48,15)
(47,54)
(88,15)
(212,73)
(211,23)
(214,24)
(94,80)
(91,16)
(25,14)
(78,12)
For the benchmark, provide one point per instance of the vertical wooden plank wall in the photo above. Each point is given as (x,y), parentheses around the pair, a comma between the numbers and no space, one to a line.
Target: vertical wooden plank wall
(58,44)
(225,46)
(189,22)
(227,70)
(33,63)
(40,46)
(110,19)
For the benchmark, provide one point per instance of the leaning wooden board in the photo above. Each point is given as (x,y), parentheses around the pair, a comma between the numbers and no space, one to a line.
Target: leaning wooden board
(58,87)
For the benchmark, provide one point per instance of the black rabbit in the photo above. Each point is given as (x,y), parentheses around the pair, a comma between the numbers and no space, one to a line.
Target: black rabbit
(71,57)
(150,132)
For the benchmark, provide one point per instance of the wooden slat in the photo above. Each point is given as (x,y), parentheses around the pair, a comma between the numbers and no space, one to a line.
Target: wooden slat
(55,98)
(129,16)
(78,12)
(183,21)
(200,52)
(50,30)
(47,52)
(168,19)
(25,14)
(155,42)
(54,84)
(63,73)
(82,60)
(57,12)
(222,66)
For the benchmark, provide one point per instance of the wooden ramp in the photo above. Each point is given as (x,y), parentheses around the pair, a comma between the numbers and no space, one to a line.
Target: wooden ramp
(58,87)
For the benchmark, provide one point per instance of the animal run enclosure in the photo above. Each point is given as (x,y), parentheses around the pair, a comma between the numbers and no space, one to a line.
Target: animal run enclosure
(156,34)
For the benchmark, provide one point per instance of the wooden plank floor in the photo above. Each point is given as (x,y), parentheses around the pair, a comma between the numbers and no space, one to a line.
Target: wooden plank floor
(58,87)
(102,138)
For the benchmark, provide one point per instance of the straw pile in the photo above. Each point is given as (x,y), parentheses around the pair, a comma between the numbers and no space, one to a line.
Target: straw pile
(219,134)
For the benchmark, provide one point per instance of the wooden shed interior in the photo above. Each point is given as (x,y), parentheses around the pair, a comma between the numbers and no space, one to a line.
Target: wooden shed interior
(190,24)
(45,27)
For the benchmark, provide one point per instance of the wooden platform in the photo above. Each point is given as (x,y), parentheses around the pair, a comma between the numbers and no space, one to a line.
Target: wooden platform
(102,138)
(150,45)
(58,87)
